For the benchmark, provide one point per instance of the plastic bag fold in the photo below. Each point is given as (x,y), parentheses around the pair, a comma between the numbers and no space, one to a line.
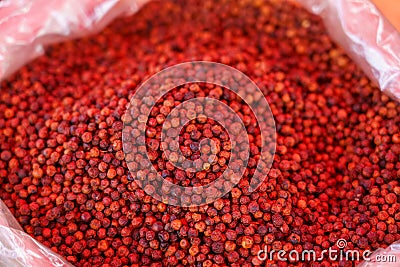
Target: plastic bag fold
(388,257)
(366,35)
(27,26)
(18,249)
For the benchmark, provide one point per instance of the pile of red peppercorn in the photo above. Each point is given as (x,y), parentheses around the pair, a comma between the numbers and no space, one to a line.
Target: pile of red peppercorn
(191,136)
(335,173)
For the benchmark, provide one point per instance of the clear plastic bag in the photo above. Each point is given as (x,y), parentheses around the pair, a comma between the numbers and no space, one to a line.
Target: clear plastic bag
(27,26)
(374,44)
(18,249)
(388,257)
(366,35)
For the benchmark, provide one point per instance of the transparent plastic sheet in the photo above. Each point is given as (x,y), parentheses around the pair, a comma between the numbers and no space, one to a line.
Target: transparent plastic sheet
(388,257)
(18,249)
(27,26)
(366,35)
(374,44)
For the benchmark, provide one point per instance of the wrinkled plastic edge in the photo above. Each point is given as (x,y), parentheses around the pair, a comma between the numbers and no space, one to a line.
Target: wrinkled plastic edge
(366,35)
(18,249)
(7,219)
(391,254)
(374,44)
(71,19)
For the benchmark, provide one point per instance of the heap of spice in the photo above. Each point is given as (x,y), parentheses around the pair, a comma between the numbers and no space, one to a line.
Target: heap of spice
(335,174)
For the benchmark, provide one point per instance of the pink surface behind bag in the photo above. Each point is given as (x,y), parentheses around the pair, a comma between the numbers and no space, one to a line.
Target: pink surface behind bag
(366,35)
(27,26)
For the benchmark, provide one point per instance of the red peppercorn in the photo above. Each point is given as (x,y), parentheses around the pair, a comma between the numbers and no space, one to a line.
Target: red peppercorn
(64,176)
